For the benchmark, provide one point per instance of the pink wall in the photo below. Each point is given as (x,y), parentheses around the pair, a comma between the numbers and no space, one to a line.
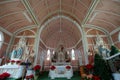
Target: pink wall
(115,39)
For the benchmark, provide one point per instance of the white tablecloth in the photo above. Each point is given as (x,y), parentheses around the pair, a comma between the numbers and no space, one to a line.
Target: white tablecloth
(15,71)
(61,71)
(116,76)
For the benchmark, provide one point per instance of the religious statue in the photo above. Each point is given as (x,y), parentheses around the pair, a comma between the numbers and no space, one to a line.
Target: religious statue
(61,55)
(17,53)
(20,49)
(100,47)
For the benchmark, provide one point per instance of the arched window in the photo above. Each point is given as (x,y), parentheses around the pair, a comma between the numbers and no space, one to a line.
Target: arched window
(48,54)
(1,39)
(73,54)
(119,37)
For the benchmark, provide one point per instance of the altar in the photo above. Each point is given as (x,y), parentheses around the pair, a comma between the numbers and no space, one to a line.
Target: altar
(15,71)
(61,72)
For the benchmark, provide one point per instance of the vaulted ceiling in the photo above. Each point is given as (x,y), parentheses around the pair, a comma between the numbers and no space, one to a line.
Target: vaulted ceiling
(19,15)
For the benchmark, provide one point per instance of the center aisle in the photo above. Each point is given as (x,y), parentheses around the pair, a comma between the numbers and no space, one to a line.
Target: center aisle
(44,76)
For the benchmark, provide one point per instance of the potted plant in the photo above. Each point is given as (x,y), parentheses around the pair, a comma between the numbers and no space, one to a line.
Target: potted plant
(37,71)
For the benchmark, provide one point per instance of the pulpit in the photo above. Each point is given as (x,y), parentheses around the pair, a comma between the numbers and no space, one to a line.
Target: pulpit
(61,71)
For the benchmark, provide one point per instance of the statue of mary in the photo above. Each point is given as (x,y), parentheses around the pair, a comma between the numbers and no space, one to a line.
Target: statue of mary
(17,53)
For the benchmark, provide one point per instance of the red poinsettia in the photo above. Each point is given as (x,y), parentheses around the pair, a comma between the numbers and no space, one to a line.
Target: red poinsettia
(12,61)
(4,75)
(52,67)
(68,67)
(89,66)
(18,61)
(96,78)
(29,76)
(37,67)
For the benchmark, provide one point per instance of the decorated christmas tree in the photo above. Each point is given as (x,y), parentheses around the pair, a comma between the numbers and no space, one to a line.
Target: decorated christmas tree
(114,50)
(101,68)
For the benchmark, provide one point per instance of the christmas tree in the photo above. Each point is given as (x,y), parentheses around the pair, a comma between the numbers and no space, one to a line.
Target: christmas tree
(114,50)
(101,69)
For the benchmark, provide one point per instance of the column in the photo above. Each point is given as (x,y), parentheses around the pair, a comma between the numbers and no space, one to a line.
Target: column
(85,45)
(36,46)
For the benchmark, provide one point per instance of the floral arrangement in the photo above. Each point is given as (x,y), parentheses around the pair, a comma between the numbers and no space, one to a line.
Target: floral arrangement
(96,78)
(4,75)
(89,66)
(52,67)
(13,61)
(30,77)
(18,61)
(68,67)
(37,71)
(37,67)
(89,69)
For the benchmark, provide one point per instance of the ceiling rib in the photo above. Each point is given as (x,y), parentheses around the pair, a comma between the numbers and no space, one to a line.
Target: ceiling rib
(4,30)
(14,23)
(108,12)
(46,2)
(10,14)
(83,4)
(24,28)
(96,27)
(73,7)
(90,11)
(63,10)
(106,22)
(30,11)
(7,1)
(114,31)
(57,11)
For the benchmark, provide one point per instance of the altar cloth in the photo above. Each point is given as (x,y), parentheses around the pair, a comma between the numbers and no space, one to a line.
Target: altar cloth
(61,72)
(16,71)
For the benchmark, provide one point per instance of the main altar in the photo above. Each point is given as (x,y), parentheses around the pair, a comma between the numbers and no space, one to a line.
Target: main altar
(61,66)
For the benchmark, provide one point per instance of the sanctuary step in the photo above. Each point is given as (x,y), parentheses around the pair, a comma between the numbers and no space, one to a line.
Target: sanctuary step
(44,76)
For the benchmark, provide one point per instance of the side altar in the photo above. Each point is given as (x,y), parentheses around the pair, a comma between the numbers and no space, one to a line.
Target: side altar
(20,54)
(61,66)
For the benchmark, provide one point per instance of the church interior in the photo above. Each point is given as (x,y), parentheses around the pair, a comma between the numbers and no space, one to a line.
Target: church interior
(59,39)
